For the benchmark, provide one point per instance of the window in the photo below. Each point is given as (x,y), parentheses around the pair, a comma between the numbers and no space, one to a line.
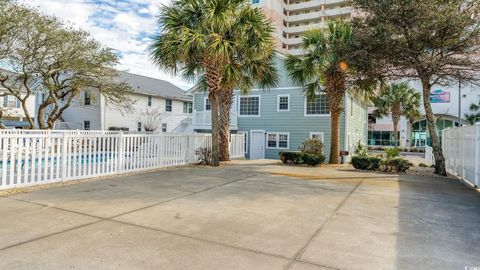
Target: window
(139,126)
(249,106)
(86,125)
(277,140)
(208,105)
(168,105)
(283,103)
(87,98)
(149,101)
(316,136)
(11,102)
(319,106)
(164,127)
(187,107)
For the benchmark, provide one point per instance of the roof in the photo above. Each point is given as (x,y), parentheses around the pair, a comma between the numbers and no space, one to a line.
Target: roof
(155,87)
(14,123)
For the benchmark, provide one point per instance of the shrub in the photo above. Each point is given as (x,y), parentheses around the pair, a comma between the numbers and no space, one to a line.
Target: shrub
(312,160)
(366,163)
(301,158)
(397,164)
(392,152)
(204,155)
(312,146)
(423,165)
(361,150)
(291,157)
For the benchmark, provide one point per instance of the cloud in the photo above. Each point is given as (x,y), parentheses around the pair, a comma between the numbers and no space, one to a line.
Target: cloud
(124,25)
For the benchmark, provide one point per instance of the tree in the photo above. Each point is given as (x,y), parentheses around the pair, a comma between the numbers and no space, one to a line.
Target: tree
(48,56)
(77,63)
(435,41)
(252,71)
(397,100)
(475,115)
(198,39)
(324,68)
(151,120)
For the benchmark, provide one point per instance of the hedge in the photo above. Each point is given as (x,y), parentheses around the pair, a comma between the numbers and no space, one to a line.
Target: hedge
(301,158)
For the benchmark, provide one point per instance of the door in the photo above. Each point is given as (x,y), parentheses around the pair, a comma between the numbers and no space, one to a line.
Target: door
(257,144)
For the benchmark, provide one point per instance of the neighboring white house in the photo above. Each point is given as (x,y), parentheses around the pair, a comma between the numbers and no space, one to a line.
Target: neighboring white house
(13,115)
(151,98)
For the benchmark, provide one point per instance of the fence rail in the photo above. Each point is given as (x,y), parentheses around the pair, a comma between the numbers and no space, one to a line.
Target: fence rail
(461,147)
(38,157)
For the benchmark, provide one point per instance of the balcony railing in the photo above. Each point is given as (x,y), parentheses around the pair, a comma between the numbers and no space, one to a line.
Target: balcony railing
(203,120)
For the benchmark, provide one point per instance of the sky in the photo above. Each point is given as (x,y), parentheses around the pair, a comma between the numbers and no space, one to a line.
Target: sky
(127,26)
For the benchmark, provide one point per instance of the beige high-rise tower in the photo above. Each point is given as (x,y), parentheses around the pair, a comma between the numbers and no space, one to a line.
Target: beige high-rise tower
(293,17)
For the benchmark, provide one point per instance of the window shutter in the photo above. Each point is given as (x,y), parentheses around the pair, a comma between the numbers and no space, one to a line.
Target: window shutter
(5,101)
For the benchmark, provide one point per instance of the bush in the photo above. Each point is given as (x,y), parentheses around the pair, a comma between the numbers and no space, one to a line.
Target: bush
(397,164)
(291,157)
(361,150)
(366,163)
(204,155)
(301,158)
(423,165)
(312,160)
(312,146)
(392,152)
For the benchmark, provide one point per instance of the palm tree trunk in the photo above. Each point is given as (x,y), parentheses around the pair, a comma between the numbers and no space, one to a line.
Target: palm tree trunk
(395,131)
(432,128)
(213,97)
(335,139)
(225,104)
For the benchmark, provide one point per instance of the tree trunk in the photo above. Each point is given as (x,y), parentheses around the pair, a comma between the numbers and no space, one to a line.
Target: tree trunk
(335,139)
(225,105)
(41,117)
(396,119)
(432,128)
(213,97)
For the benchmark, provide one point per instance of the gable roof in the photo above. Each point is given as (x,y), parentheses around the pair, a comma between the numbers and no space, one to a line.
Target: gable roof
(154,87)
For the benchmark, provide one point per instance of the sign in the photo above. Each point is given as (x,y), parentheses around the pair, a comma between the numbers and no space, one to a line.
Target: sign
(439,96)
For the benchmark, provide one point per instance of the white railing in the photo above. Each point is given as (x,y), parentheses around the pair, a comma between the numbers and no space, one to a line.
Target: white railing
(203,119)
(429,157)
(38,157)
(461,147)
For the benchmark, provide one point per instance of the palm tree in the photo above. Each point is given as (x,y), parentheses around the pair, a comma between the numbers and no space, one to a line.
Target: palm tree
(260,72)
(475,115)
(397,100)
(202,38)
(324,68)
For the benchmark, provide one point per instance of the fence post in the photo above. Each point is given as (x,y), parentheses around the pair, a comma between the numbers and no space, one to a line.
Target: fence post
(121,152)
(477,154)
(64,155)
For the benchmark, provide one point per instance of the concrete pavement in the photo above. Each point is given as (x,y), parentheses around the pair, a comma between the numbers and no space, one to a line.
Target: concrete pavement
(248,215)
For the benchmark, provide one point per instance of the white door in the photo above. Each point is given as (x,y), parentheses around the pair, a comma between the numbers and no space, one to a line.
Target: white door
(257,144)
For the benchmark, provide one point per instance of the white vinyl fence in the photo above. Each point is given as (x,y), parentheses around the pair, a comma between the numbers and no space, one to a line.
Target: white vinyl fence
(37,157)
(461,147)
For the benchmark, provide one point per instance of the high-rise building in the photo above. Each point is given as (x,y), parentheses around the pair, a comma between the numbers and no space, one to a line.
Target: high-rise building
(293,17)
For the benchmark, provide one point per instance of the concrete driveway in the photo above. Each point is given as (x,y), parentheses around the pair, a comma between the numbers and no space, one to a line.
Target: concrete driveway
(249,215)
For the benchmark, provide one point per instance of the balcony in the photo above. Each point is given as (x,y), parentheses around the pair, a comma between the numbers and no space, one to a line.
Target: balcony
(303,28)
(203,120)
